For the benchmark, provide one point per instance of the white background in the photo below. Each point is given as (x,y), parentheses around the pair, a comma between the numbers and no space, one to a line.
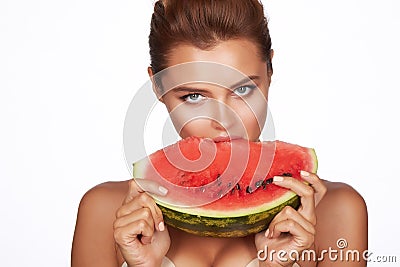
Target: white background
(69,69)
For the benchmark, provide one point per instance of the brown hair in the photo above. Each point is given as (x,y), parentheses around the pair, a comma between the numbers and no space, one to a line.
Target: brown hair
(204,23)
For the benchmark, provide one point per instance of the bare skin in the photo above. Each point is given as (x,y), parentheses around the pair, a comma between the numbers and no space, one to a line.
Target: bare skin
(118,221)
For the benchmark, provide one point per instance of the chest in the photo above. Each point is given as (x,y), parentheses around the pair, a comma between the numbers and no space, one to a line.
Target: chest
(194,251)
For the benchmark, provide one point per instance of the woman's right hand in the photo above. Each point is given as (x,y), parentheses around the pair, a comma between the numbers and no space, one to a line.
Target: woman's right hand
(139,229)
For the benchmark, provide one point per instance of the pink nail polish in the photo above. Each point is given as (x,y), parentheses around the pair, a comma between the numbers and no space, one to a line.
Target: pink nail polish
(161,226)
(304,173)
(267,233)
(163,190)
(278,178)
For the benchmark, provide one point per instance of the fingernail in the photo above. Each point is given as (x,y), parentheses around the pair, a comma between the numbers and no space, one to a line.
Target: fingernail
(304,173)
(271,234)
(278,178)
(266,233)
(161,226)
(163,190)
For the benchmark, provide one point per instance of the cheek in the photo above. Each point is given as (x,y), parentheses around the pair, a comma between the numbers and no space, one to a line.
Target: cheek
(199,127)
(253,119)
(251,124)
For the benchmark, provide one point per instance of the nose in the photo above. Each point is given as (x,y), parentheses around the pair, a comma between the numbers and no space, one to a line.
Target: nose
(223,117)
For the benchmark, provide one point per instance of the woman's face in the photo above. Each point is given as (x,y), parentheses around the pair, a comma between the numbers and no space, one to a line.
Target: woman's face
(218,93)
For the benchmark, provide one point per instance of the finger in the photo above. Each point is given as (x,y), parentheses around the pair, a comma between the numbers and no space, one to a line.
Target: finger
(289,213)
(143,201)
(306,193)
(151,186)
(145,186)
(301,236)
(259,238)
(316,183)
(133,191)
(129,233)
(137,215)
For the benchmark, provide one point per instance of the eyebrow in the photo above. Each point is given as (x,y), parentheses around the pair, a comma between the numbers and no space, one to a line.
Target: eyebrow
(199,90)
(245,80)
(188,89)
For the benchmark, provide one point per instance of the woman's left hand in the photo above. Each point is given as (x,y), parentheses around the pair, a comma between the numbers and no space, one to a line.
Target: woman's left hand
(291,231)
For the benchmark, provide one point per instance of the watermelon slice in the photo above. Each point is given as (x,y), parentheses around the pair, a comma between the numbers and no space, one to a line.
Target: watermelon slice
(224,189)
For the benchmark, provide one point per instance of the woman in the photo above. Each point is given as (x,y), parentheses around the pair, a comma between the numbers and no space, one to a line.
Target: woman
(120,225)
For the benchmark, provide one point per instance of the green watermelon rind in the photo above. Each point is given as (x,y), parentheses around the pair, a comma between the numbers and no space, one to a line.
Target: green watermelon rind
(224,227)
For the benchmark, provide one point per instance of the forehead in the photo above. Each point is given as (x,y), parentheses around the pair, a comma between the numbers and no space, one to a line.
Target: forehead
(225,64)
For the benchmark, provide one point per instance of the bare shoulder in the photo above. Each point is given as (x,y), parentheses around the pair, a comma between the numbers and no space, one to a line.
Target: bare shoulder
(93,243)
(342,214)
(341,196)
(108,194)
(99,204)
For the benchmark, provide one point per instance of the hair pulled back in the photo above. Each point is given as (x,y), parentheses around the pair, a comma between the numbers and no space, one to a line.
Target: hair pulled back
(204,23)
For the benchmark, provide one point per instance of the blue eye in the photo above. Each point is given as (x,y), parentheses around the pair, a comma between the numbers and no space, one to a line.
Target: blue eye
(244,90)
(193,98)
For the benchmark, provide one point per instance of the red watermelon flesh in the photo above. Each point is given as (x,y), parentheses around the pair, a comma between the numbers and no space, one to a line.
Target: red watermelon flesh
(248,195)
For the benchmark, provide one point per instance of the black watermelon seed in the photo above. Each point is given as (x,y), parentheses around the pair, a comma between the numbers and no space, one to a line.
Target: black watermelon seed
(220,193)
(259,183)
(248,190)
(287,174)
(219,179)
(238,187)
(266,182)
